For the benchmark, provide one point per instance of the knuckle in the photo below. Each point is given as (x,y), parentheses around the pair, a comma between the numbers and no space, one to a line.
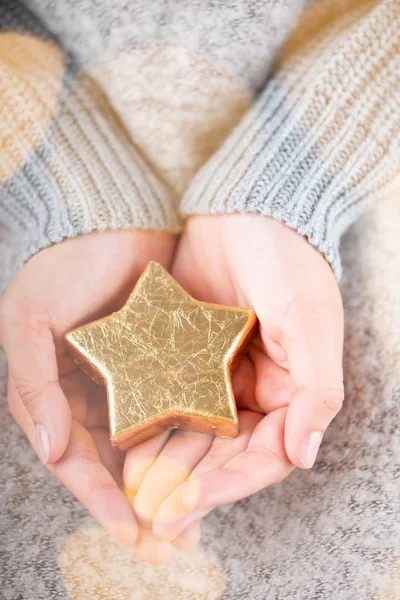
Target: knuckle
(83,454)
(34,327)
(78,453)
(334,400)
(98,489)
(28,393)
(221,453)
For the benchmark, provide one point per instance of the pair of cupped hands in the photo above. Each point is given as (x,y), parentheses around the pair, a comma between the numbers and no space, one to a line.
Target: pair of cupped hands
(288,386)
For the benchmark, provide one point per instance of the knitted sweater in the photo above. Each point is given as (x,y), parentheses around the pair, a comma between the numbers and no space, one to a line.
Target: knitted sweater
(139,114)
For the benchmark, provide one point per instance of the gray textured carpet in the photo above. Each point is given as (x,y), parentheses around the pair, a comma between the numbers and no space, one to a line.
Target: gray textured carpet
(332,533)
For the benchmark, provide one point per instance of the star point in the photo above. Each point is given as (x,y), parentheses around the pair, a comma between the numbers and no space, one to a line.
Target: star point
(165,359)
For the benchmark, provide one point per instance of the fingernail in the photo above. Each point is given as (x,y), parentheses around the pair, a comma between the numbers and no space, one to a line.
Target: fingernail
(308,448)
(43,443)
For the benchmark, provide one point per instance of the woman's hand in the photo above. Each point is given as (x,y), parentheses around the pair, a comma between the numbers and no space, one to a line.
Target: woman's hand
(62,412)
(288,387)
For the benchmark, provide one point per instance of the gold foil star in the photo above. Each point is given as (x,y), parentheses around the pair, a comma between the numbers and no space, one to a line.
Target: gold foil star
(165,359)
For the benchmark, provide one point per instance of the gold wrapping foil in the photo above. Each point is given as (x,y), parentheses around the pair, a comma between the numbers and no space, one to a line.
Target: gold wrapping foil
(165,359)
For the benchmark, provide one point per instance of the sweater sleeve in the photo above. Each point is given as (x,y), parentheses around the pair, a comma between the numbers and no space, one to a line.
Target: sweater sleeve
(67,164)
(323,138)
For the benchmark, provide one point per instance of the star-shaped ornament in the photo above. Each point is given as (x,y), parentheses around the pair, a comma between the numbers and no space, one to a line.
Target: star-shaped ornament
(165,359)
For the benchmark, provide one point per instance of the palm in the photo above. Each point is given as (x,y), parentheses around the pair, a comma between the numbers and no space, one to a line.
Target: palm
(263,388)
(81,455)
(294,363)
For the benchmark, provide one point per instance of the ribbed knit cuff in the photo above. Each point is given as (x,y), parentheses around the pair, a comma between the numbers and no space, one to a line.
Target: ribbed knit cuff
(67,164)
(323,137)
(85,175)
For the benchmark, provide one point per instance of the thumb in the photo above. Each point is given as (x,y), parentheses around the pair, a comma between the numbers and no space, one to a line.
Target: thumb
(313,339)
(31,356)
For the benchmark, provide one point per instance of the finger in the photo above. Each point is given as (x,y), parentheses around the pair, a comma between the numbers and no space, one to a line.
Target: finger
(150,549)
(154,551)
(243,383)
(170,469)
(171,517)
(112,458)
(313,337)
(138,461)
(31,356)
(262,463)
(81,471)
(189,538)
(274,384)
(260,384)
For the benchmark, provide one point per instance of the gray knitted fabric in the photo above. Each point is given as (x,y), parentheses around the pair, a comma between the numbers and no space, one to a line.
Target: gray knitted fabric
(110,109)
(332,533)
(324,136)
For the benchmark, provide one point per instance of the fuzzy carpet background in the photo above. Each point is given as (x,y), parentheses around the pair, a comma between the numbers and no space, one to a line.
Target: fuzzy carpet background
(332,533)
